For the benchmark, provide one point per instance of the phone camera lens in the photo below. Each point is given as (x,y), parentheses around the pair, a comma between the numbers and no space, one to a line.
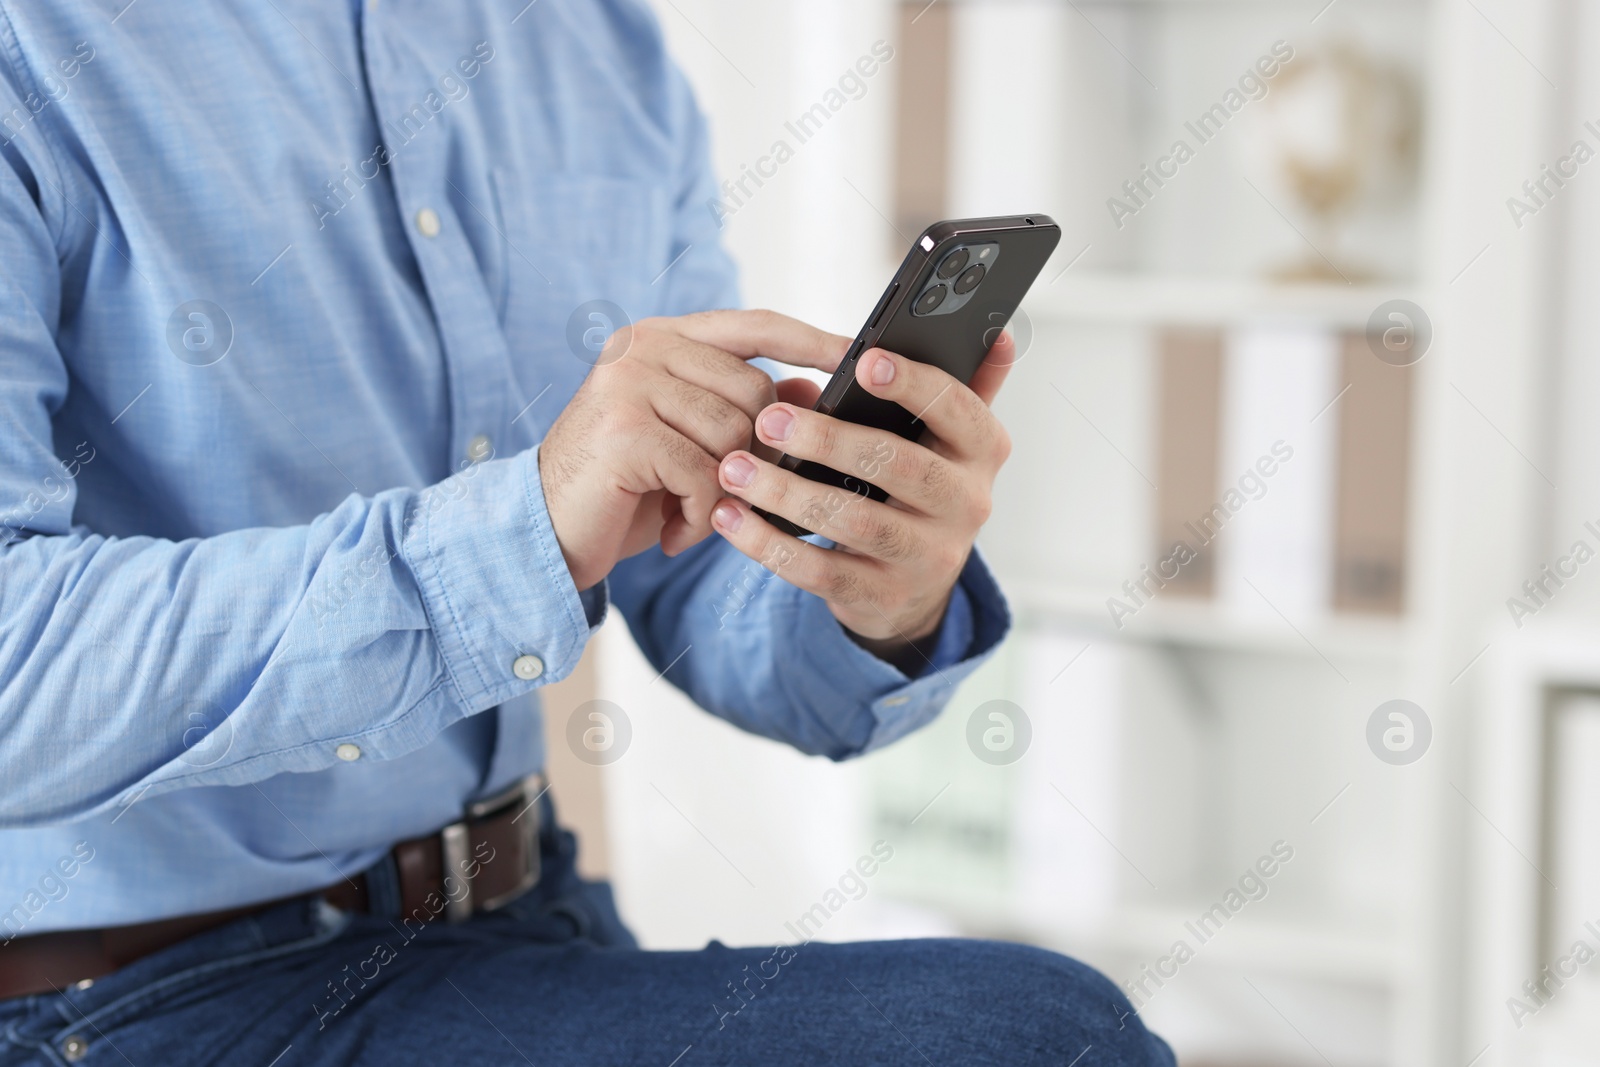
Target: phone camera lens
(930,299)
(969,281)
(953,263)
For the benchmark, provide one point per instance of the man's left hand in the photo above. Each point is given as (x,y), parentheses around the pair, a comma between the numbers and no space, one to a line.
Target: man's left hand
(890,580)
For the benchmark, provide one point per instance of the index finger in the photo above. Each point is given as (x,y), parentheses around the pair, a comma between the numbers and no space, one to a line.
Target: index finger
(991,373)
(749,334)
(957,416)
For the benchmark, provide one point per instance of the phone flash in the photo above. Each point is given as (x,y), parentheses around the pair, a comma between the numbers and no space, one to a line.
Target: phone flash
(927,244)
(983,253)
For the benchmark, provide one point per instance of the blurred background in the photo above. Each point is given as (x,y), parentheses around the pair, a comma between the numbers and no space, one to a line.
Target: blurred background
(1296,737)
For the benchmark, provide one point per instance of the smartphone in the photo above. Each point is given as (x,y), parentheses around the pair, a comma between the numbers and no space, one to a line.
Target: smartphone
(955,291)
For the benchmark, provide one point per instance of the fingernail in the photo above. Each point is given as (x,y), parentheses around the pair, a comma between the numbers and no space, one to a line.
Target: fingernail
(739,470)
(883,371)
(777,423)
(727,517)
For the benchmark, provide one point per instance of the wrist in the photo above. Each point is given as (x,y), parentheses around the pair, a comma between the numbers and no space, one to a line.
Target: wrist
(909,642)
(550,484)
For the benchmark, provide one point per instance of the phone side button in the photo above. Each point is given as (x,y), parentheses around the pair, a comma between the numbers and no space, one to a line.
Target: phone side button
(883,304)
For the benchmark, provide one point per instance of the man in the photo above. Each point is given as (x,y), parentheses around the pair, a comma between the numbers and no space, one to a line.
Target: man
(306,494)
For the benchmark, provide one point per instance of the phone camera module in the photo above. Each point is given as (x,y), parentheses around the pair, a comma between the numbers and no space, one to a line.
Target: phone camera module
(953,263)
(930,300)
(953,280)
(969,279)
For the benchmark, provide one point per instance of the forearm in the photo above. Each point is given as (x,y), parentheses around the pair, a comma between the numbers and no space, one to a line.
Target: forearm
(135,665)
(771,659)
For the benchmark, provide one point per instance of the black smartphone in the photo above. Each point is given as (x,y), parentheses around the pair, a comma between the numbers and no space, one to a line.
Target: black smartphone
(946,305)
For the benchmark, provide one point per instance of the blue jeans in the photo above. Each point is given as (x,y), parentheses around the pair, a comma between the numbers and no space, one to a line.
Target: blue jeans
(555,979)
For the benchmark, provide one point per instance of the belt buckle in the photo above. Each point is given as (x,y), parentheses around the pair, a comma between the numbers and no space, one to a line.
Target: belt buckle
(455,851)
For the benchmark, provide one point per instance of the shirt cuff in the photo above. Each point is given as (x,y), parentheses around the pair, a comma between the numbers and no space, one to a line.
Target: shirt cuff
(500,601)
(955,633)
(969,635)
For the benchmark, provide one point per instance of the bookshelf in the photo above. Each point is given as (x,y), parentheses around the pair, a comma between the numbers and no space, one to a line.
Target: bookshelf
(1222,725)
(1205,729)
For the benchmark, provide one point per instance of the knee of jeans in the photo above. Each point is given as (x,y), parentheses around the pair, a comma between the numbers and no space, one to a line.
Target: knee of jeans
(1046,1000)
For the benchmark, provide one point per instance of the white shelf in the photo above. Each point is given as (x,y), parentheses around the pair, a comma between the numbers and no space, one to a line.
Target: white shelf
(1131,298)
(1316,947)
(1310,7)
(1202,625)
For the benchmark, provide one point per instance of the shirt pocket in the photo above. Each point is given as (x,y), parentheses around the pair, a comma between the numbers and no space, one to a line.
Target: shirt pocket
(574,241)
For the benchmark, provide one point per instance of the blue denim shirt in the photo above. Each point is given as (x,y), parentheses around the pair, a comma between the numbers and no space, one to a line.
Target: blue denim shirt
(284,303)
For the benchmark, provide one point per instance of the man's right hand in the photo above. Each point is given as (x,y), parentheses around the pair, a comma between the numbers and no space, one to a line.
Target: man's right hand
(632,461)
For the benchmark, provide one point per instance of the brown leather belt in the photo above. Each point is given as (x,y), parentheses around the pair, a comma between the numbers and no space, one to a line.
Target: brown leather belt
(477,864)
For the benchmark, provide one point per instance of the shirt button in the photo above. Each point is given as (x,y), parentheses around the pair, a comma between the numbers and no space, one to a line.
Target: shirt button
(74,1049)
(348,752)
(83,983)
(479,448)
(527,667)
(895,702)
(428,222)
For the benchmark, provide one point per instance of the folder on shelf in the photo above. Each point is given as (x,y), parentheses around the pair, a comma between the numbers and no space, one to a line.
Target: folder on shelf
(1571,827)
(1275,543)
(922,118)
(1372,483)
(1190,376)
